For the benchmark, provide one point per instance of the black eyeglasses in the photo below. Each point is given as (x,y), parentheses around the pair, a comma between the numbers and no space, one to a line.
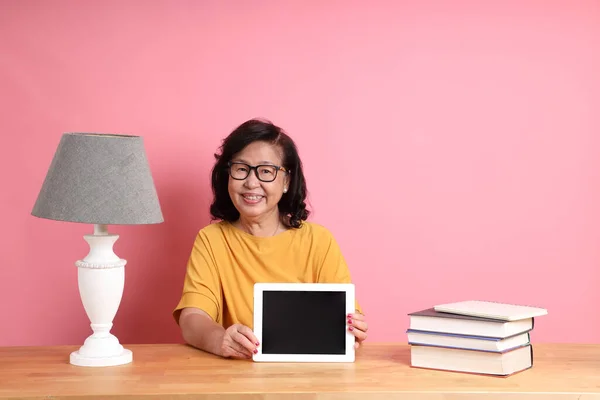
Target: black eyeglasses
(264,172)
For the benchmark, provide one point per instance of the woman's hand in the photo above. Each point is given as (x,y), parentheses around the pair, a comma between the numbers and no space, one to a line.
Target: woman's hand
(238,342)
(358,326)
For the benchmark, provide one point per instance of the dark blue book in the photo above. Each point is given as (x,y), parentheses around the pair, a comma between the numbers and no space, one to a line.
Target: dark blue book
(467,342)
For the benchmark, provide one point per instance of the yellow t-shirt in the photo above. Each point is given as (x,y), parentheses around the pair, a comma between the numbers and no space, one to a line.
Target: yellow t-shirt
(226,262)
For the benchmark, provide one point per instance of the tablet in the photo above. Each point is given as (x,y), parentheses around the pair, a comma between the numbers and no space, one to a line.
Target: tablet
(303,322)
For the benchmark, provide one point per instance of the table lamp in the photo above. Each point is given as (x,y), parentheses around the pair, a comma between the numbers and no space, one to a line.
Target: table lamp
(100,179)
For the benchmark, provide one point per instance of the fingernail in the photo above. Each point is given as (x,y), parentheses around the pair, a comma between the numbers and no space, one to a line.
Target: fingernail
(255,351)
(351,328)
(349,315)
(350,321)
(257,343)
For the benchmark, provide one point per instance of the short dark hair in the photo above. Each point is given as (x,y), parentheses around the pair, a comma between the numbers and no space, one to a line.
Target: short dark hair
(292,206)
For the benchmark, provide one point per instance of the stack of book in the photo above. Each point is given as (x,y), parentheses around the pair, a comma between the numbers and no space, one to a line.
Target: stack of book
(477,337)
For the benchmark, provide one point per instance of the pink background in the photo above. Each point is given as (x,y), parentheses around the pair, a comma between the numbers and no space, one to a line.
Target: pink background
(452,147)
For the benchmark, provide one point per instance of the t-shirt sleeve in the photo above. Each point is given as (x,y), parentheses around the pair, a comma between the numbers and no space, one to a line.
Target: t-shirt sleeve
(333,268)
(202,284)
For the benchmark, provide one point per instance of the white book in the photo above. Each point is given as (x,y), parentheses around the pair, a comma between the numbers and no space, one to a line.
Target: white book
(493,310)
(433,321)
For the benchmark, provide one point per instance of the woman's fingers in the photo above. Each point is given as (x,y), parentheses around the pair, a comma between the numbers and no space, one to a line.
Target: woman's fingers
(358,334)
(242,353)
(244,330)
(357,316)
(239,341)
(232,348)
(240,348)
(243,339)
(358,326)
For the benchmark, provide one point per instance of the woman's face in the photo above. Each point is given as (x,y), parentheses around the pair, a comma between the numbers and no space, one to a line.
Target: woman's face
(251,196)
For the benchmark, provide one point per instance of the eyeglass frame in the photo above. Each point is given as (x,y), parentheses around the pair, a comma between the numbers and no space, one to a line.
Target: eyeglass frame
(255,168)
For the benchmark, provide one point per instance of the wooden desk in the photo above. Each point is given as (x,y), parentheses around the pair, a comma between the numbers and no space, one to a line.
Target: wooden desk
(381,372)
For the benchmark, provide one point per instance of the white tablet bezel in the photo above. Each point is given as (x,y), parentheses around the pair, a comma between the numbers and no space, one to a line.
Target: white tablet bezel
(260,288)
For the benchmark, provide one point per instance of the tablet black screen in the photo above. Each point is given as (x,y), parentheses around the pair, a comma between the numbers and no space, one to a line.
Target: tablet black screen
(304,322)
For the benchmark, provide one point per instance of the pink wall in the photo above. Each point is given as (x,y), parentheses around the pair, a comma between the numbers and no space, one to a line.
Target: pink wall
(451,147)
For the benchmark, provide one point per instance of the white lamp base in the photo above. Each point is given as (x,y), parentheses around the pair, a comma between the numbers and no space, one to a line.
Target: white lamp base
(101,278)
(125,357)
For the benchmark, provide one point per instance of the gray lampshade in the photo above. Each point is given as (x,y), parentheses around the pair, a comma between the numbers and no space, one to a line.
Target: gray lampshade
(99,179)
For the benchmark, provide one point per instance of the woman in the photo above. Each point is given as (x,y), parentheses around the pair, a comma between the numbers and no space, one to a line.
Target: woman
(262,236)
